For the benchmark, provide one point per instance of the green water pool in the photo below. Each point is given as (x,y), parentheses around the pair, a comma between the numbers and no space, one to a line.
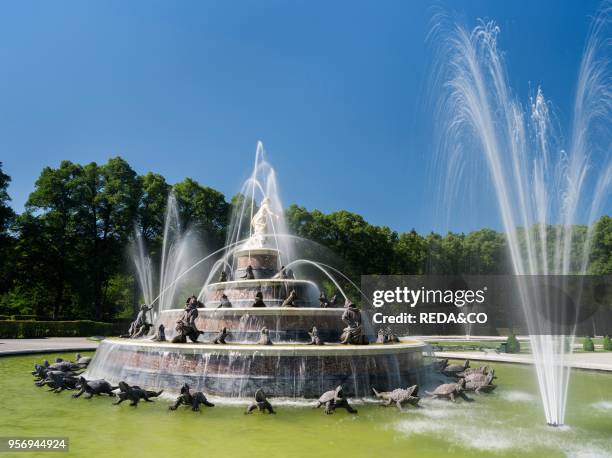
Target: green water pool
(508,422)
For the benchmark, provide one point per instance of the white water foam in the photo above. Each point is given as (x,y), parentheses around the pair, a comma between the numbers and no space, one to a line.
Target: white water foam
(602,405)
(518,396)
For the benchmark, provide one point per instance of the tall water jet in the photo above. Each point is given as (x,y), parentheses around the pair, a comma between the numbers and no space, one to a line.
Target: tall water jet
(180,252)
(542,191)
(143,265)
(261,188)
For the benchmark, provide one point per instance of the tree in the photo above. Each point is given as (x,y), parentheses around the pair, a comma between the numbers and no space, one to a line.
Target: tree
(67,250)
(512,344)
(54,200)
(7,217)
(203,208)
(33,290)
(410,254)
(366,248)
(152,207)
(112,210)
(485,252)
(601,247)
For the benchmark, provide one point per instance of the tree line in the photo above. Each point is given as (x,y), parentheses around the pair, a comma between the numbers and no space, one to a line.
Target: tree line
(65,255)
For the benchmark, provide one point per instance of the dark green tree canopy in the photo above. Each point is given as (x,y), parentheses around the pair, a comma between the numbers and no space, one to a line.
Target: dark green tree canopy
(65,256)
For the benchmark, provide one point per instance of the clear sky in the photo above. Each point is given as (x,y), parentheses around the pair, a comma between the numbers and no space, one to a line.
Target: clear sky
(334,89)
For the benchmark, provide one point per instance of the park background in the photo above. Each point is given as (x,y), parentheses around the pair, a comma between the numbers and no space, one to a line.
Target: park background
(339,92)
(66,256)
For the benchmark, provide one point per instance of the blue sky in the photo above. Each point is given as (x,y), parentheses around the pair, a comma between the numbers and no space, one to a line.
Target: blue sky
(335,90)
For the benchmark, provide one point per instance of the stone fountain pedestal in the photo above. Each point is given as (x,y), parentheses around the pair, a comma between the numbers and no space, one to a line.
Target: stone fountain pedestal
(287,368)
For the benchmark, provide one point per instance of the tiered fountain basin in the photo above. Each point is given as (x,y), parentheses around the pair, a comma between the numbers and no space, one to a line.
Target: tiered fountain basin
(264,261)
(289,368)
(286,324)
(242,292)
(238,370)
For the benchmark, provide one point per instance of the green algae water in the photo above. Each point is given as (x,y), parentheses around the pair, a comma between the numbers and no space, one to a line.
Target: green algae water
(506,423)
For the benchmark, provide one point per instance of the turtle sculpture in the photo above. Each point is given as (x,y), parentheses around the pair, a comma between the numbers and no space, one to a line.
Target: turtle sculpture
(221,336)
(439,365)
(191,399)
(261,403)
(59,381)
(46,377)
(41,375)
(264,337)
(135,394)
(399,396)
(82,361)
(41,372)
(449,391)
(386,336)
(333,399)
(92,387)
(480,383)
(66,382)
(453,369)
(474,370)
(64,366)
(478,376)
(314,337)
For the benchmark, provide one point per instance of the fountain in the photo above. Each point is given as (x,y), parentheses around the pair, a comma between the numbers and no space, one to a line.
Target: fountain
(257,262)
(541,193)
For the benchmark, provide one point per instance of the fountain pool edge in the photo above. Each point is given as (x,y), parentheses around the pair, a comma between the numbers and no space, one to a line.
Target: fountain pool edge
(238,370)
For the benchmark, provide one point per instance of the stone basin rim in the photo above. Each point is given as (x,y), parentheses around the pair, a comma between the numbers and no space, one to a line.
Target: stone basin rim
(280,311)
(280,349)
(259,282)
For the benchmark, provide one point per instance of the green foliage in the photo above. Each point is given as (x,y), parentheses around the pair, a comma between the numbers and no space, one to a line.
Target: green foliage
(152,208)
(24,317)
(202,208)
(64,257)
(587,344)
(607,343)
(601,251)
(7,217)
(31,329)
(512,344)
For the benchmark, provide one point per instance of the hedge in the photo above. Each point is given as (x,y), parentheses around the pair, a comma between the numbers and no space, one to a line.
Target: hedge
(20,317)
(28,329)
(512,344)
(587,344)
(25,317)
